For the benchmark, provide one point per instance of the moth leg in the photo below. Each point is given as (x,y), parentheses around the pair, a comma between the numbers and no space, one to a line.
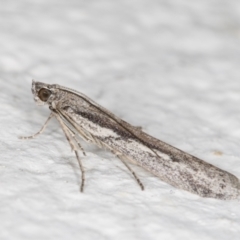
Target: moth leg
(132,172)
(61,119)
(69,137)
(79,145)
(82,171)
(76,140)
(40,131)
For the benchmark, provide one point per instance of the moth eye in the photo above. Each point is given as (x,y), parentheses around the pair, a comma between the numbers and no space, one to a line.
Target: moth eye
(44,94)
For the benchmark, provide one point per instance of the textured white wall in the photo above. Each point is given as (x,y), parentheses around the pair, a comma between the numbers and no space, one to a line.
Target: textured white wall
(169,66)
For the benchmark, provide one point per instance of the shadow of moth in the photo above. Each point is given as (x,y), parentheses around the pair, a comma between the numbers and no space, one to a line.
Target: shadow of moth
(81,117)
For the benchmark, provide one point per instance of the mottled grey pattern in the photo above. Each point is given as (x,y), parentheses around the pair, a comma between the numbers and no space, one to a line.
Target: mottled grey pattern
(95,124)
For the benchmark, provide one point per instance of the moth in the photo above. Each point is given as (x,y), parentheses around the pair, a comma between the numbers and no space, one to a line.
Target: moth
(82,118)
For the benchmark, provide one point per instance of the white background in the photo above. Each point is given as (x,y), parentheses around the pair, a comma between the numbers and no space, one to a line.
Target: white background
(169,66)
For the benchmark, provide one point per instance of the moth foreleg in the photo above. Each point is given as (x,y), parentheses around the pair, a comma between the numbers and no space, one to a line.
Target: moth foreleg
(40,131)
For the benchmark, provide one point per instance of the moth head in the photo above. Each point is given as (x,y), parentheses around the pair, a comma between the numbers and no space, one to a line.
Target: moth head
(42,92)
